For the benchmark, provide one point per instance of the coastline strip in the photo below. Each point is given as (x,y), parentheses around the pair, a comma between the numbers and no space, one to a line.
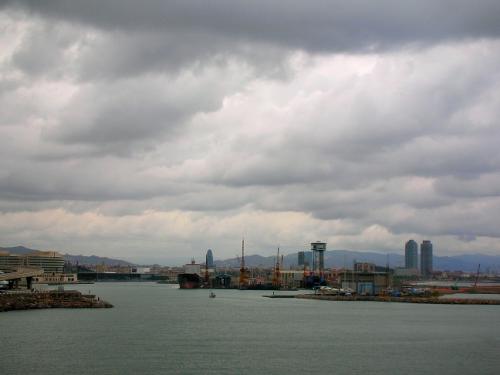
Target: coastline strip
(428,300)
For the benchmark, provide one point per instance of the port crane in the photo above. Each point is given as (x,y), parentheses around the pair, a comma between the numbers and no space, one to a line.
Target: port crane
(243,281)
(277,273)
(477,275)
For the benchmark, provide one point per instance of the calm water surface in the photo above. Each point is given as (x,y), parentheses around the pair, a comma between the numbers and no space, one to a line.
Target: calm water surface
(158,329)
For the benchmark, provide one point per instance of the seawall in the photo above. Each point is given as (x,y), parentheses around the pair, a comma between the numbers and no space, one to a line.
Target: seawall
(430,300)
(49,300)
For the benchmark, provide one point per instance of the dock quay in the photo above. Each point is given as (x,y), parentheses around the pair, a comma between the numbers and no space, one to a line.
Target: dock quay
(280,296)
(428,300)
(27,300)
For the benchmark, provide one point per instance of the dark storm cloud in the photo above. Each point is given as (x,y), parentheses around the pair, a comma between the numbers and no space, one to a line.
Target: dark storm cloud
(312,25)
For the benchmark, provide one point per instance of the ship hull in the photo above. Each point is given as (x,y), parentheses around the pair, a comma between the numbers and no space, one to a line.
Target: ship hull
(189,281)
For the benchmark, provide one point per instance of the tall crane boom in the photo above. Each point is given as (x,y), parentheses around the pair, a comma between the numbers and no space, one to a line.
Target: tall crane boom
(277,273)
(477,275)
(243,271)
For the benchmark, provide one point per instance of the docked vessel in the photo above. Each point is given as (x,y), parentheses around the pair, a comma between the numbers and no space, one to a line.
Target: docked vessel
(190,278)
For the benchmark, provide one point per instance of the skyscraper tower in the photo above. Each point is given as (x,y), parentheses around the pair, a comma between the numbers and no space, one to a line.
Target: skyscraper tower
(426,258)
(318,250)
(411,254)
(210,259)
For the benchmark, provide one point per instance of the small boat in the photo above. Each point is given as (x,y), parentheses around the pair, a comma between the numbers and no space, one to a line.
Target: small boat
(211,295)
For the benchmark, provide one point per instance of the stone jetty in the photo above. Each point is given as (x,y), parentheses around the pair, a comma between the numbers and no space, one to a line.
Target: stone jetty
(430,300)
(48,300)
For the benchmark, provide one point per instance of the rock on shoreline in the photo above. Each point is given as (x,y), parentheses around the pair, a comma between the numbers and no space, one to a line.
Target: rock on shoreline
(49,300)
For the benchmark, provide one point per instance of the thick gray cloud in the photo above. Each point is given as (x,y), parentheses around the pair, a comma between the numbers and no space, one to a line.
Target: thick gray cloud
(174,126)
(314,26)
(127,37)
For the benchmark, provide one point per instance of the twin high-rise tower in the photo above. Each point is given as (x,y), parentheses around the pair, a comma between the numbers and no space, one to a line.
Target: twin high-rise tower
(426,258)
(411,256)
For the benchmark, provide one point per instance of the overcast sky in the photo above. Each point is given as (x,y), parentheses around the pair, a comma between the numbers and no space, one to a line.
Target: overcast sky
(154,130)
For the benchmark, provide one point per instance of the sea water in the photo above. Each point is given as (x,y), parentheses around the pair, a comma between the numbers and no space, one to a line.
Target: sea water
(160,329)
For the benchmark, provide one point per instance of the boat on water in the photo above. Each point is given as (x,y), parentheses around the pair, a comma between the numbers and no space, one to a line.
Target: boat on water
(211,295)
(189,281)
(190,278)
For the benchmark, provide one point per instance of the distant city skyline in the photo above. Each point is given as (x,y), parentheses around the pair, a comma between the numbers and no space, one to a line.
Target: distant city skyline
(335,257)
(153,131)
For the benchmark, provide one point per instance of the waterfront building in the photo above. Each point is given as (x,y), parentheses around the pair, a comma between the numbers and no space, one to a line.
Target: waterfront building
(9,262)
(411,255)
(210,259)
(50,261)
(364,267)
(291,278)
(426,258)
(365,283)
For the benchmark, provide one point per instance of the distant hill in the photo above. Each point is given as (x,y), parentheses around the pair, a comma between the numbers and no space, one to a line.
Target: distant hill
(19,250)
(339,258)
(80,259)
(94,259)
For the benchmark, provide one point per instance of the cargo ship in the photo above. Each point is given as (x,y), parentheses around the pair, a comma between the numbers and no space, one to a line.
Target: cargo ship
(190,278)
(189,281)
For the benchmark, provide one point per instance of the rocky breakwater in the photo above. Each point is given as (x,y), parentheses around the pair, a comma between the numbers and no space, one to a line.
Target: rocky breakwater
(48,300)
